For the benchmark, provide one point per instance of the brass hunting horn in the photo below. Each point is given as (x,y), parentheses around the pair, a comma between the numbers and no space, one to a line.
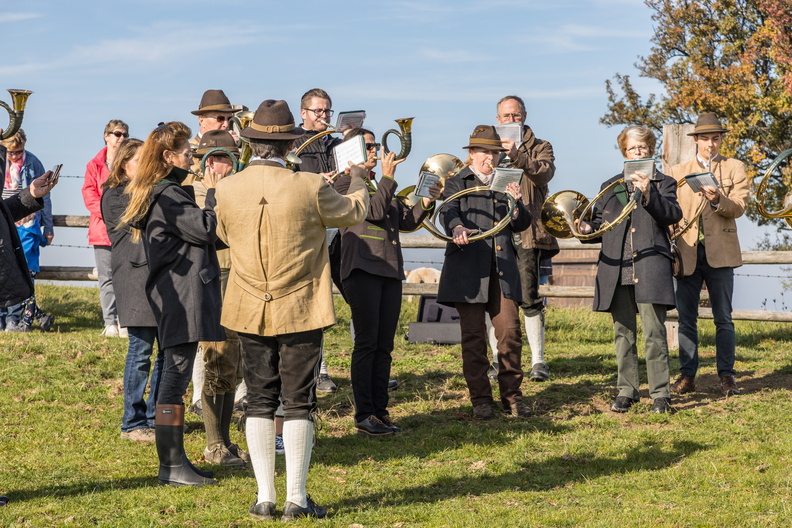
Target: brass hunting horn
(562,209)
(18,100)
(761,192)
(447,166)
(684,225)
(405,136)
(240,121)
(443,165)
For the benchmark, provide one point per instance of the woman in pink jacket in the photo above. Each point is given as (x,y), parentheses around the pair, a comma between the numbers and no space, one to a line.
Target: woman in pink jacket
(96,173)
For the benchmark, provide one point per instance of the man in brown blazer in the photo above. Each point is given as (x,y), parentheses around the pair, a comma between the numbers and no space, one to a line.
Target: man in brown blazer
(710,251)
(535,157)
(279,297)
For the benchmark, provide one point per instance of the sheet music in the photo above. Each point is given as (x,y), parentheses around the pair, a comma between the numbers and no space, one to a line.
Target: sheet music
(425,180)
(353,150)
(645,166)
(349,120)
(511,131)
(503,177)
(698,180)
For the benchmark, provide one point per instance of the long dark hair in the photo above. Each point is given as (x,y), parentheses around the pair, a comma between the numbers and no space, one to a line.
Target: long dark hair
(126,151)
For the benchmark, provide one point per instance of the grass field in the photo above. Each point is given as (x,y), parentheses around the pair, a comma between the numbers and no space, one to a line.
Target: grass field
(715,462)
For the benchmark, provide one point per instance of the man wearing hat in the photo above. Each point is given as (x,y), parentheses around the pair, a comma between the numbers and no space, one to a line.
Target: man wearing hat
(222,360)
(279,297)
(214,113)
(710,251)
(482,277)
(535,157)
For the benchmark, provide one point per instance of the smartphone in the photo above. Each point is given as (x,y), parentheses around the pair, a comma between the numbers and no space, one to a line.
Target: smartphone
(55,173)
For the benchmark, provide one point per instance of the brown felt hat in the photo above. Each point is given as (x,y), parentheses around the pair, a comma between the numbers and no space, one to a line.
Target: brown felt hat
(214,101)
(273,120)
(213,139)
(708,124)
(485,137)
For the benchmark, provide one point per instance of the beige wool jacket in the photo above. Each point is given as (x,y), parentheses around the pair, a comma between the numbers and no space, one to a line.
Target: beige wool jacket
(274,220)
(720,229)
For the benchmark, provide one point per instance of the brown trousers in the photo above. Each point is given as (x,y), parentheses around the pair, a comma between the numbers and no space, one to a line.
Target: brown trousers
(505,316)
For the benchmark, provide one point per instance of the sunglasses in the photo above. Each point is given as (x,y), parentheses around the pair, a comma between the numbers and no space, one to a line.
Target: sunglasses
(116,133)
(374,146)
(16,152)
(220,118)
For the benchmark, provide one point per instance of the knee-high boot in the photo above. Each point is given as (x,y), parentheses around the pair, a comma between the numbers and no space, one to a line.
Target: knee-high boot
(175,469)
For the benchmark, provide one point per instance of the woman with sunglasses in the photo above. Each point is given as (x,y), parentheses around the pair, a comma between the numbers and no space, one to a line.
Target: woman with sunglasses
(96,173)
(372,271)
(183,286)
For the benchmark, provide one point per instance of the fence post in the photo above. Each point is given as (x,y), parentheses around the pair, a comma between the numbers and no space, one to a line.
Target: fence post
(677,147)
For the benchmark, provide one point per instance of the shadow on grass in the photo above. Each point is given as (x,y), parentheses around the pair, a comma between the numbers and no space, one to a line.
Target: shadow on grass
(83,487)
(547,474)
(72,314)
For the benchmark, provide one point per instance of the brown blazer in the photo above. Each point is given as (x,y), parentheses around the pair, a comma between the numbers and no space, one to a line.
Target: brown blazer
(274,221)
(720,229)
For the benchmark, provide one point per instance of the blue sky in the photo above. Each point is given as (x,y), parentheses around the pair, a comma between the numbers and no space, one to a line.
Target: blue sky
(444,63)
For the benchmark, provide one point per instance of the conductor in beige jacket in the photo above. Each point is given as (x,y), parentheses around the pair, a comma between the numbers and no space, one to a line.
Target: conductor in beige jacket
(710,251)
(279,296)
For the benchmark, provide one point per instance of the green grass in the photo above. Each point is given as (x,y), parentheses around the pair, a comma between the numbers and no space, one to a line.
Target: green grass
(715,462)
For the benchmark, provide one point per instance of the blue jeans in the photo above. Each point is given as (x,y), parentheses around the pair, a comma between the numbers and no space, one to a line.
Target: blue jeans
(139,412)
(720,284)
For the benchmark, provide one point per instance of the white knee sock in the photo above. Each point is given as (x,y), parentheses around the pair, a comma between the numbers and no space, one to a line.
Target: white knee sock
(198,375)
(534,331)
(241,391)
(260,433)
(298,440)
(493,341)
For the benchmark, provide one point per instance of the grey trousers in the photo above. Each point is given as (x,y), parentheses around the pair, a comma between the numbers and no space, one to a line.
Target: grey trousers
(653,318)
(106,294)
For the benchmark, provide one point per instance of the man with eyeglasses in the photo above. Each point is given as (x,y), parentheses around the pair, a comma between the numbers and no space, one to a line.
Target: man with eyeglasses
(316,112)
(535,157)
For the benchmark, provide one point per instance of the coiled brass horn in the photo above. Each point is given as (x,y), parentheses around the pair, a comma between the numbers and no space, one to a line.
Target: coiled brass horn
(18,100)
(761,193)
(443,165)
(562,209)
(405,136)
(235,162)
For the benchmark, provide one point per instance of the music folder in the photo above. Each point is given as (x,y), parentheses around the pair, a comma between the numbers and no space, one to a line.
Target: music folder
(349,120)
(353,150)
(701,179)
(645,166)
(503,177)
(425,180)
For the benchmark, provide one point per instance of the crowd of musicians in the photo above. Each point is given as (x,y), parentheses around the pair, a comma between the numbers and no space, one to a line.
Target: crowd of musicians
(236,267)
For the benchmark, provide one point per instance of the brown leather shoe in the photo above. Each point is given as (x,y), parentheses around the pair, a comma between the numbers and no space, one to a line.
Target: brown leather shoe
(684,384)
(729,386)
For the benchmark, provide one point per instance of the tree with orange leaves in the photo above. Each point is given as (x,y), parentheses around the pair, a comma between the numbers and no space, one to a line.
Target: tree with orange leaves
(732,57)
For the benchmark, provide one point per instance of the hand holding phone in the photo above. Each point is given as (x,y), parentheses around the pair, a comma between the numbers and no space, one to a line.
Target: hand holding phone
(55,173)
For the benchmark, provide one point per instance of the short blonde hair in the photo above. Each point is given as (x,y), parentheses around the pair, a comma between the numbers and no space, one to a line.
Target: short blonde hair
(16,141)
(638,133)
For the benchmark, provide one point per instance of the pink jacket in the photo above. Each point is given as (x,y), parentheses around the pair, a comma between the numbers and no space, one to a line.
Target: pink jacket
(96,172)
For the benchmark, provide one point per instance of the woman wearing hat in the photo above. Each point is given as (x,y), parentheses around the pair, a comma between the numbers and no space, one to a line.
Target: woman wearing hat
(183,286)
(372,270)
(482,277)
(634,271)
(710,251)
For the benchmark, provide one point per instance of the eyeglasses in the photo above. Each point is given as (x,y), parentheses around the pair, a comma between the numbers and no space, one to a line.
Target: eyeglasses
(511,116)
(374,146)
(16,152)
(116,133)
(638,148)
(321,111)
(220,118)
